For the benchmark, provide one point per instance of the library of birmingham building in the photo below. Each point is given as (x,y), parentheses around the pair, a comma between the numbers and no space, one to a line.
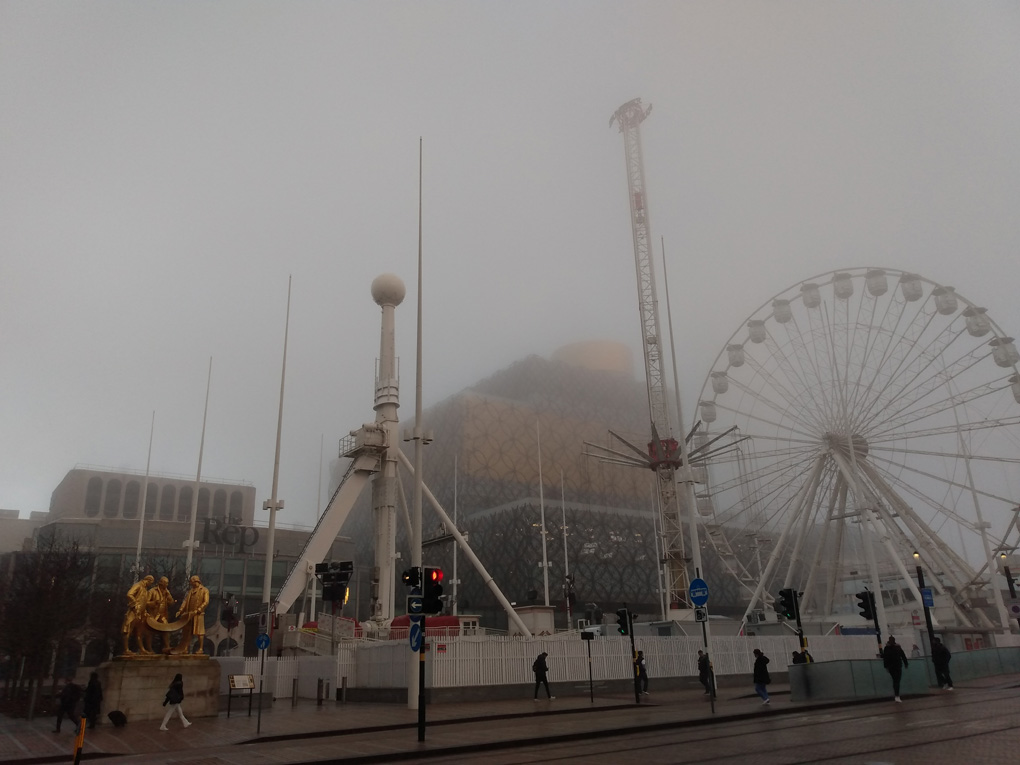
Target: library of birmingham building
(491,442)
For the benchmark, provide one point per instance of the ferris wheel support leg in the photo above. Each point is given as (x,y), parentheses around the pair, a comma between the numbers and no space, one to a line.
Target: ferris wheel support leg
(839,495)
(816,558)
(777,552)
(869,508)
(805,519)
(944,557)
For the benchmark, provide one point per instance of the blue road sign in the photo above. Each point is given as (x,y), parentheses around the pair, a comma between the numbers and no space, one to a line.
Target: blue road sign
(414,635)
(414,604)
(699,592)
(927,598)
(262,642)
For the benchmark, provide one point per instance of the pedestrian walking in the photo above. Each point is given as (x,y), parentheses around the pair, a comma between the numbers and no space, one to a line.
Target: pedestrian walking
(93,699)
(705,672)
(541,670)
(761,675)
(174,697)
(641,670)
(940,657)
(894,660)
(67,701)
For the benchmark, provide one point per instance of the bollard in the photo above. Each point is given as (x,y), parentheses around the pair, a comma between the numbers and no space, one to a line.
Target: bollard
(293,691)
(343,689)
(318,693)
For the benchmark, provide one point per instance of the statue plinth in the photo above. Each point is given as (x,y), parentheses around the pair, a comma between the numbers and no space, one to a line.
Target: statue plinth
(137,685)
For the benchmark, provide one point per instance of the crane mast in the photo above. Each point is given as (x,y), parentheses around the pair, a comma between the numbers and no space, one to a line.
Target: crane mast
(663,450)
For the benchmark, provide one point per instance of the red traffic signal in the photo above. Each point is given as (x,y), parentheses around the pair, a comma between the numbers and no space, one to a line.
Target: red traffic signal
(432,590)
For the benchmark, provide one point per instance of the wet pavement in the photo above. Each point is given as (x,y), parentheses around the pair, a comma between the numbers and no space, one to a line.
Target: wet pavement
(305,732)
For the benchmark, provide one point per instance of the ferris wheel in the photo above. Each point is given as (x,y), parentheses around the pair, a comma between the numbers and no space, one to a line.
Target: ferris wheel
(856,424)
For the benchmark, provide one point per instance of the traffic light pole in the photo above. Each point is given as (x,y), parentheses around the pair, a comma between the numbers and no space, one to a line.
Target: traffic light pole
(421,682)
(633,656)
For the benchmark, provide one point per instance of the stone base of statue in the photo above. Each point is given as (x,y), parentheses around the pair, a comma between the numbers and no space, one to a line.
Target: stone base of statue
(137,686)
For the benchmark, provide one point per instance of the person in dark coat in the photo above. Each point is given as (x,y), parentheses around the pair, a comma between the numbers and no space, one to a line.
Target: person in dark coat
(93,699)
(894,660)
(174,697)
(642,673)
(67,701)
(761,675)
(704,672)
(940,657)
(541,670)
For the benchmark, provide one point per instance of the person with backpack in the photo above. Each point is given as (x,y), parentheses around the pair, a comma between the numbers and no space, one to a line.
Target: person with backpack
(173,699)
(940,657)
(541,670)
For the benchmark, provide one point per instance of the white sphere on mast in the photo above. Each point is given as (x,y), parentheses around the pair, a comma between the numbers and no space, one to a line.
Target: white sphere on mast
(388,289)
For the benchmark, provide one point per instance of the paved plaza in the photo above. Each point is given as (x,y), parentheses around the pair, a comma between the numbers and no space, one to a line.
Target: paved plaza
(982,716)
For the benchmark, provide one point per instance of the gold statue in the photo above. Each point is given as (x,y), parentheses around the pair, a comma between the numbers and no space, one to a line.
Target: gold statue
(160,601)
(134,619)
(192,614)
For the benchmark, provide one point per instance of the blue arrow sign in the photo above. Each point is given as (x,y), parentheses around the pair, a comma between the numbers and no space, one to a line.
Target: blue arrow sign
(699,592)
(414,635)
(262,642)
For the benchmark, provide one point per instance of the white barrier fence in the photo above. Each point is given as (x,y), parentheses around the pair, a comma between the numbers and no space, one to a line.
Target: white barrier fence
(482,661)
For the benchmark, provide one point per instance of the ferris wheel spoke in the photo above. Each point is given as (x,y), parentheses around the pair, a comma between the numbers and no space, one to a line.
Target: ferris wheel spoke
(796,382)
(947,481)
(784,401)
(925,382)
(933,408)
(768,422)
(921,435)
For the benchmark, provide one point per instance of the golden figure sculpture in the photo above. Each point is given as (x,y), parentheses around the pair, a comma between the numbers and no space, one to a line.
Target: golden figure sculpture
(135,618)
(192,614)
(160,601)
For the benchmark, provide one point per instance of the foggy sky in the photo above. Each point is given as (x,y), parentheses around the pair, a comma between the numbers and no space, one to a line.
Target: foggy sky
(164,167)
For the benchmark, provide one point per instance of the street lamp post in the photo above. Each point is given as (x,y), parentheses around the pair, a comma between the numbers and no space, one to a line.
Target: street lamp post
(927,611)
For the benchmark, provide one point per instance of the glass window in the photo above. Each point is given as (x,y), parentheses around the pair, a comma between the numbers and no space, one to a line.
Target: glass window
(203,503)
(132,492)
(236,504)
(151,495)
(166,506)
(219,504)
(112,503)
(209,570)
(93,494)
(280,570)
(184,505)
(255,578)
(233,575)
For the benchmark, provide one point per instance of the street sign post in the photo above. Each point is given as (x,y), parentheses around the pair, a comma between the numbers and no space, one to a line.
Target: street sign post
(698,592)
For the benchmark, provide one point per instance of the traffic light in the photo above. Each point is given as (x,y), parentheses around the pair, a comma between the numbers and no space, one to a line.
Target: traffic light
(788,603)
(432,590)
(866,602)
(411,577)
(623,621)
(335,577)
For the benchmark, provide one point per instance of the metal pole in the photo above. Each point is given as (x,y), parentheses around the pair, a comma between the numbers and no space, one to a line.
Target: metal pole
(541,509)
(145,494)
(567,583)
(927,611)
(198,478)
(274,502)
